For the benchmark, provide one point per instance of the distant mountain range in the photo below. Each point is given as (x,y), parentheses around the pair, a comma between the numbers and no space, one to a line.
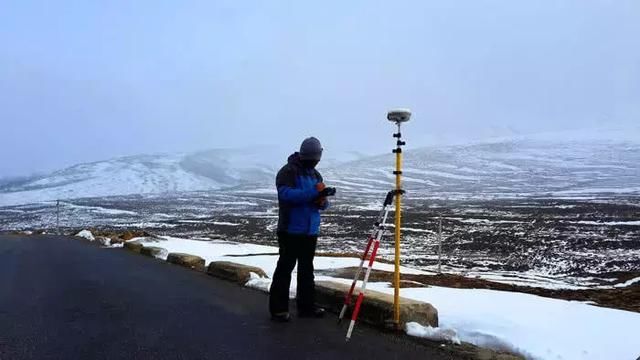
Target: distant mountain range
(533,166)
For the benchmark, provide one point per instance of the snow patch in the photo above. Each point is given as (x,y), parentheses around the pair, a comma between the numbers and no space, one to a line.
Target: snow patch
(259,283)
(98,209)
(628,283)
(104,240)
(431,333)
(608,223)
(534,326)
(225,223)
(86,234)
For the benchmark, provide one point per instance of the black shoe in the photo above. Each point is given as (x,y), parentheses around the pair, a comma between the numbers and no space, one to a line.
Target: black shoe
(316,312)
(282,317)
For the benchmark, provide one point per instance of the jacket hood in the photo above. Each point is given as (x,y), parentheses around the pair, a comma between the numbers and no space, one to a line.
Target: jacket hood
(294,159)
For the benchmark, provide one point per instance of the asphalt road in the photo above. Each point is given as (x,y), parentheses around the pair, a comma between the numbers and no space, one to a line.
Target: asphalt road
(62,298)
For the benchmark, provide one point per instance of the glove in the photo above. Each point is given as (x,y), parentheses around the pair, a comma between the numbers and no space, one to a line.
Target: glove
(323,192)
(328,191)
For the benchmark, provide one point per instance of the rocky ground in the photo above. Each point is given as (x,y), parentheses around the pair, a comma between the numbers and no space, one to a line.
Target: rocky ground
(582,242)
(624,298)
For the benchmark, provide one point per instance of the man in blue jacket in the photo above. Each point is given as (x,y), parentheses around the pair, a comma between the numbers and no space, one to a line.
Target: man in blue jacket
(301,196)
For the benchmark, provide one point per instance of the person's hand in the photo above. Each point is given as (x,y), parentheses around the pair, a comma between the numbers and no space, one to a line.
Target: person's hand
(323,192)
(328,191)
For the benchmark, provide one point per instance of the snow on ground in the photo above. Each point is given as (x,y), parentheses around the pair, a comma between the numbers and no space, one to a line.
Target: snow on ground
(534,326)
(375,205)
(237,203)
(86,234)
(225,223)
(222,223)
(436,334)
(12,211)
(531,279)
(97,209)
(608,223)
(441,174)
(482,221)
(145,224)
(213,250)
(264,257)
(627,283)
(617,190)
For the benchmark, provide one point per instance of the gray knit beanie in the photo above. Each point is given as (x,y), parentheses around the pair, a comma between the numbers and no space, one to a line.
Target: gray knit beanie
(311,149)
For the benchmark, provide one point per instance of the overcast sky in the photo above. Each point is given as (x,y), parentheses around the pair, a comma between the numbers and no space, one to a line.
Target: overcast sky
(90,80)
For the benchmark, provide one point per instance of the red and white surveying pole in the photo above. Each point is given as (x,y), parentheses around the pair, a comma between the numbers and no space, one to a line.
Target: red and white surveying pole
(372,247)
(373,244)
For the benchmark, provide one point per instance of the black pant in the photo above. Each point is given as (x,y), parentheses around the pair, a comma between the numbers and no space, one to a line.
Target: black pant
(300,248)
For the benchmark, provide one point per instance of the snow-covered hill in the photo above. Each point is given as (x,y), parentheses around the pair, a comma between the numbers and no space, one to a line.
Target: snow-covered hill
(506,168)
(531,166)
(146,174)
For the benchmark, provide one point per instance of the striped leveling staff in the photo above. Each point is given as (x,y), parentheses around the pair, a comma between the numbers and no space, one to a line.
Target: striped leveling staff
(372,244)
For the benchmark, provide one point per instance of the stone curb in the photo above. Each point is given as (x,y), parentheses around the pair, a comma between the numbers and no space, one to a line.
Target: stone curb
(233,271)
(152,251)
(186,260)
(133,246)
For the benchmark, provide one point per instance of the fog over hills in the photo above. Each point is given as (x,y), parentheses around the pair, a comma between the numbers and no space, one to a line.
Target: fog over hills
(528,166)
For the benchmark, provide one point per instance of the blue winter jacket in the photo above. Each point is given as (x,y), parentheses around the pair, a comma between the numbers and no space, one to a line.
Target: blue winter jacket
(297,193)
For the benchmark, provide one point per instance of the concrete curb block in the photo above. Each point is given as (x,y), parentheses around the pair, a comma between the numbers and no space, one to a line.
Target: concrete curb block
(186,260)
(233,271)
(377,307)
(133,246)
(153,251)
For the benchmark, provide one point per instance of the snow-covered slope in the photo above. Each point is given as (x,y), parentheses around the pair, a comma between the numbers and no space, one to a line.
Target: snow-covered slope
(530,166)
(503,169)
(145,174)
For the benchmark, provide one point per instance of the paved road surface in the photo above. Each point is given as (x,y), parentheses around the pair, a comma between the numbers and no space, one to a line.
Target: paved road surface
(62,298)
